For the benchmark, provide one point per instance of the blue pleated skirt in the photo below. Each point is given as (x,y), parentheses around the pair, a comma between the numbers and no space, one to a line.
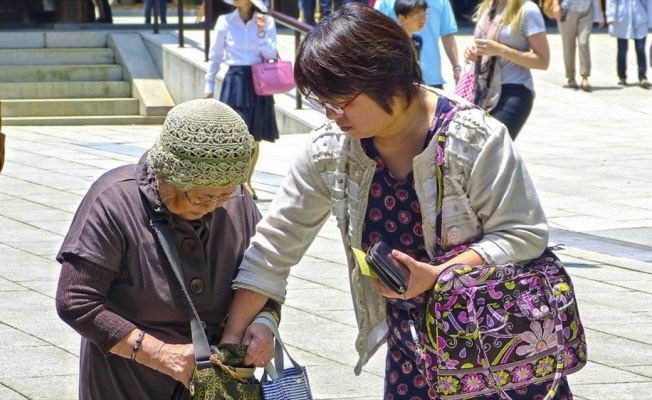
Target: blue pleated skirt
(257,111)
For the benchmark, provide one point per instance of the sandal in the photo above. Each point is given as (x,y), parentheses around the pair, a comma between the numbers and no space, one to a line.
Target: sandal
(586,86)
(644,84)
(622,82)
(572,84)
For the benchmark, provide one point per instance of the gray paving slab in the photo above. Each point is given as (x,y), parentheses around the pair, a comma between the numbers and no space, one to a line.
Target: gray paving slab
(589,154)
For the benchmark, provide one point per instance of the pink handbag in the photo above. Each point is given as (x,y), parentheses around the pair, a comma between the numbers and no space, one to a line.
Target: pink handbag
(465,87)
(273,77)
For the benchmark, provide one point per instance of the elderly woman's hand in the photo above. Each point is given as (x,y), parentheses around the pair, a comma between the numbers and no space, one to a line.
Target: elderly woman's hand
(175,360)
(261,345)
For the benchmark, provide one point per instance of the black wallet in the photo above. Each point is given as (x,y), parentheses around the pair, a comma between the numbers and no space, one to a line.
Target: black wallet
(393,273)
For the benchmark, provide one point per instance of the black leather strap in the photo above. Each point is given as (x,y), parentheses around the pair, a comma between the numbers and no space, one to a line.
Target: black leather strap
(166,238)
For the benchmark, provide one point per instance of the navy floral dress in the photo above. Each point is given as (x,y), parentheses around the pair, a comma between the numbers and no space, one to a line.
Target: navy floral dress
(394,214)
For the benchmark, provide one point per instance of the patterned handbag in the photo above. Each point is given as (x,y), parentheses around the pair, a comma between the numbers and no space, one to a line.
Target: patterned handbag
(488,329)
(227,378)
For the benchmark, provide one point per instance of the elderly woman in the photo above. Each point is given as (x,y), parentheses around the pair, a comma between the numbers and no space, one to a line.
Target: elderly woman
(118,289)
(375,166)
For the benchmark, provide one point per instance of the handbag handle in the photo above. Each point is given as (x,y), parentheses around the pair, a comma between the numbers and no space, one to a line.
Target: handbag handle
(166,238)
(275,371)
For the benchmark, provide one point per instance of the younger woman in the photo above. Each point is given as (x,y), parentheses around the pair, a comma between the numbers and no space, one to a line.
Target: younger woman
(374,166)
(244,37)
(510,39)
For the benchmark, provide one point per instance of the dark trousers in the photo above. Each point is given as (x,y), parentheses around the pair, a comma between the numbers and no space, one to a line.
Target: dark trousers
(514,107)
(640,58)
(162,10)
(90,12)
(308,8)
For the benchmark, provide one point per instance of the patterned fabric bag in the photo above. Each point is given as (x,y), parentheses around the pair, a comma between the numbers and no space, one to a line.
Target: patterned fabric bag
(488,329)
(227,378)
(494,328)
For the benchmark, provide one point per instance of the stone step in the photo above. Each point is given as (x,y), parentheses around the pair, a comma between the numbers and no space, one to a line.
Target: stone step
(52,39)
(84,120)
(63,56)
(64,90)
(60,73)
(69,107)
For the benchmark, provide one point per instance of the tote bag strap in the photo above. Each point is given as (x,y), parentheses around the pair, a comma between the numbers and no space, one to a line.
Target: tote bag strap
(276,371)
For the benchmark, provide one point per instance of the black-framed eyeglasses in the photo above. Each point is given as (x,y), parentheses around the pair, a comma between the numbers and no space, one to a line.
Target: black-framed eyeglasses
(339,110)
(203,200)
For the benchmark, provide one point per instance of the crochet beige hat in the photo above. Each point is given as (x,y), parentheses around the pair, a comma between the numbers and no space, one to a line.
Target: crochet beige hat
(203,143)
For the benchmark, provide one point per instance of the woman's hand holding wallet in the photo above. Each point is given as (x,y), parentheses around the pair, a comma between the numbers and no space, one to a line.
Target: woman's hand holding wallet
(423,275)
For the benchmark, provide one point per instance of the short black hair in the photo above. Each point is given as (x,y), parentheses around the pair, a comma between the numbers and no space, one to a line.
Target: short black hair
(405,7)
(356,50)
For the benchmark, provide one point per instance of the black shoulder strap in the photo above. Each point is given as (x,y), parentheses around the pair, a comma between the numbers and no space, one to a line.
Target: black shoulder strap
(166,238)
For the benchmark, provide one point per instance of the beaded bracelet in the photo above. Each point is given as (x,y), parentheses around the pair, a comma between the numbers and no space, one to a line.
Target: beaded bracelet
(137,345)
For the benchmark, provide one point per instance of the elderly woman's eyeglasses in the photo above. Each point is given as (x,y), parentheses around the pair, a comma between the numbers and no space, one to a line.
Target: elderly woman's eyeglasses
(339,110)
(203,200)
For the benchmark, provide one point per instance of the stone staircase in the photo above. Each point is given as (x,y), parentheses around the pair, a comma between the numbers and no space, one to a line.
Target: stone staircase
(79,78)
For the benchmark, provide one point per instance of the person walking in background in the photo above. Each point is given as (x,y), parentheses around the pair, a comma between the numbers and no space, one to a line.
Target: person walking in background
(104,14)
(162,10)
(244,37)
(373,167)
(440,25)
(630,19)
(575,21)
(510,40)
(308,10)
(412,14)
(117,288)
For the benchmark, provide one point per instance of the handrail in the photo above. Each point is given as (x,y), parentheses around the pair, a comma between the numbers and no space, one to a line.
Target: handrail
(299,28)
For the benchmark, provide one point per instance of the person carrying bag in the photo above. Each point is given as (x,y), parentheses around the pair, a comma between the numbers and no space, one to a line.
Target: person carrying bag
(491,328)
